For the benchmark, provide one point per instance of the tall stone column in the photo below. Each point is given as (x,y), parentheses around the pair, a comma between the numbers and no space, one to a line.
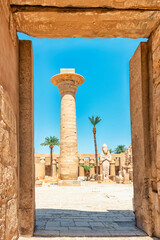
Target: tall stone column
(67,82)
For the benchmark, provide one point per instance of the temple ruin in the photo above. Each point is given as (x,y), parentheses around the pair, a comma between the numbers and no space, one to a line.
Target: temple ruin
(121,165)
(89,19)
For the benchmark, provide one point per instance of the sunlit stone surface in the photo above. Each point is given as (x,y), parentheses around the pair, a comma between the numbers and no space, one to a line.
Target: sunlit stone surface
(67,82)
(91,210)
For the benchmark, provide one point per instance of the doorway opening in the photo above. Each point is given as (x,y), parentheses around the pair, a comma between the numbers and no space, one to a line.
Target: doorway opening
(94,208)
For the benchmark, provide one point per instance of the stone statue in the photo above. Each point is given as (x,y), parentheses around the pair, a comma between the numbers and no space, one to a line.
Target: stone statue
(105,158)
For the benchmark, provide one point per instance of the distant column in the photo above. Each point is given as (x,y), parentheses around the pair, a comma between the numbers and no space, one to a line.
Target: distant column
(58,160)
(54,169)
(81,169)
(40,169)
(122,160)
(126,178)
(67,82)
(92,170)
(100,165)
(112,170)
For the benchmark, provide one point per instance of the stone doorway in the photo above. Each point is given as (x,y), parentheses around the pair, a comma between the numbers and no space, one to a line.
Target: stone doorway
(140,111)
(45,227)
(80,19)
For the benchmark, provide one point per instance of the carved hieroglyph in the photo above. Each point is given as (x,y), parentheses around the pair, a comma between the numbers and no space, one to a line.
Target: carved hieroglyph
(91,23)
(8,143)
(8,166)
(67,82)
(7,112)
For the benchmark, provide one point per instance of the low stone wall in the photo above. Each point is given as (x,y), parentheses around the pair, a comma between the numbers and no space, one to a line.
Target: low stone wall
(118,166)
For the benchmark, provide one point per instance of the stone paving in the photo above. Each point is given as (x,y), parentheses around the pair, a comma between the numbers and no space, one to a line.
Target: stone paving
(88,238)
(92,210)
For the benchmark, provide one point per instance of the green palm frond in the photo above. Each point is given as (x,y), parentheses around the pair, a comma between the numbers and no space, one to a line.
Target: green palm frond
(52,140)
(120,149)
(94,120)
(86,167)
(111,151)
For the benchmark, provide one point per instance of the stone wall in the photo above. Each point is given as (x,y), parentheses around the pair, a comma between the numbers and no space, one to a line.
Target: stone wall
(125,18)
(43,163)
(8,125)
(139,91)
(155,129)
(26,140)
(56,156)
(145,118)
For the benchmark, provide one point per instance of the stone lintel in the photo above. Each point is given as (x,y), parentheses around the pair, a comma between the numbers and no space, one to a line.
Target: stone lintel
(86,23)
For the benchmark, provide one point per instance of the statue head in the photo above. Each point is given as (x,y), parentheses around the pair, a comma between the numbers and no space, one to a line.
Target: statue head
(104,149)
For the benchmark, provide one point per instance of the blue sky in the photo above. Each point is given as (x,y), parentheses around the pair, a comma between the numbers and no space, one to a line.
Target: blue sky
(104,63)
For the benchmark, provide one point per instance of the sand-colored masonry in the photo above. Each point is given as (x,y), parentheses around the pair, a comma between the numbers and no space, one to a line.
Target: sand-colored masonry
(126,18)
(26,141)
(67,82)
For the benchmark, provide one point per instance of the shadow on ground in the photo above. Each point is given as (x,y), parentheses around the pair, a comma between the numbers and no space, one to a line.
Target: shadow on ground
(69,223)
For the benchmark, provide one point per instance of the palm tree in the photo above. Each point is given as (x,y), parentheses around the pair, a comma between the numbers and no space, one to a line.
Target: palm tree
(51,142)
(111,151)
(119,149)
(95,121)
(87,168)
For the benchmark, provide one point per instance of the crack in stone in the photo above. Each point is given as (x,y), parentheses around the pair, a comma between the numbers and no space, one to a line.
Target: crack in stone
(39,8)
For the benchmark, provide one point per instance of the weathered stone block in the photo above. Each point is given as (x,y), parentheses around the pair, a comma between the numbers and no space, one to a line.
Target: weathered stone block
(156,63)
(9,181)
(26,128)
(139,88)
(101,23)
(11,219)
(5,7)
(155,39)
(8,165)
(26,217)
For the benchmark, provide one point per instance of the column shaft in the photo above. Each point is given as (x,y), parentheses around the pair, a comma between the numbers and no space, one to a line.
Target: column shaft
(68,147)
(67,82)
